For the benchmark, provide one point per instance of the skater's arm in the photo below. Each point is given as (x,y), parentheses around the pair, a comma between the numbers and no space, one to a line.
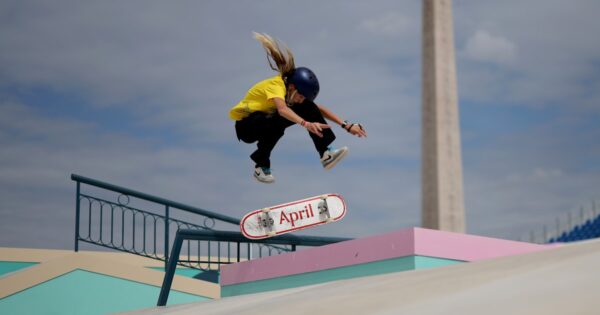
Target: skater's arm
(356,129)
(284,111)
(329,115)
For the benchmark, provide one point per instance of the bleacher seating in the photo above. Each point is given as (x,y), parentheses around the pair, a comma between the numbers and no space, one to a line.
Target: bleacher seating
(586,230)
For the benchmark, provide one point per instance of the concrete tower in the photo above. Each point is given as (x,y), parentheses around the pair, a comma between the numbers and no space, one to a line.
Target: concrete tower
(442,185)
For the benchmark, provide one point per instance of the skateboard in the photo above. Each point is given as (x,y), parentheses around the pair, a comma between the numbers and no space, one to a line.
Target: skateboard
(293,216)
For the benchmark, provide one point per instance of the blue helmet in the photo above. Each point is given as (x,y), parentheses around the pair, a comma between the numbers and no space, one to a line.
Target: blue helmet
(306,82)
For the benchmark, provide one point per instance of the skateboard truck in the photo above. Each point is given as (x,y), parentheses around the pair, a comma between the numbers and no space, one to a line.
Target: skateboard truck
(324,208)
(267,222)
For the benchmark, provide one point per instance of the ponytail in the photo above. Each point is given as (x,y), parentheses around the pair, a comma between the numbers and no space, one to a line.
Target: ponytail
(280,57)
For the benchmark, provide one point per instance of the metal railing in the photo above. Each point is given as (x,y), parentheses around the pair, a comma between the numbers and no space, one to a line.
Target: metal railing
(130,221)
(134,222)
(237,239)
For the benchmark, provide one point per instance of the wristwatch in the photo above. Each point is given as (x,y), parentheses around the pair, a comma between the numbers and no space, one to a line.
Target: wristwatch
(345,124)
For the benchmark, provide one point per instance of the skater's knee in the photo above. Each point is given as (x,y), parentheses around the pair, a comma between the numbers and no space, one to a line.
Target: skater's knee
(245,133)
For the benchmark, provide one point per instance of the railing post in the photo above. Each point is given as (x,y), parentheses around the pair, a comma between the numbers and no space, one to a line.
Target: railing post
(545,234)
(77,210)
(532,237)
(170,271)
(571,221)
(166,236)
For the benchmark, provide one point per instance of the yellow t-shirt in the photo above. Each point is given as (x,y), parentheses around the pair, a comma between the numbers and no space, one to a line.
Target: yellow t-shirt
(259,98)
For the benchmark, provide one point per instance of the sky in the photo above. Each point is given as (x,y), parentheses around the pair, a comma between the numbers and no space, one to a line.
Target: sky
(137,94)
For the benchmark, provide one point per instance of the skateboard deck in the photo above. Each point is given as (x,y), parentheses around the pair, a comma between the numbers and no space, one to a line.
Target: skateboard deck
(293,216)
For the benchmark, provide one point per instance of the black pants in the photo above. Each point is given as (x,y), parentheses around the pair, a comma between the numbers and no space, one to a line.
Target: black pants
(267,129)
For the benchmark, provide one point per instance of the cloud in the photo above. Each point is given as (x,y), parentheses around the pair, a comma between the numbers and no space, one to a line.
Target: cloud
(537,55)
(538,174)
(177,70)
(483,46)
(140,93)
(388,24)
(45,150)
(526,177)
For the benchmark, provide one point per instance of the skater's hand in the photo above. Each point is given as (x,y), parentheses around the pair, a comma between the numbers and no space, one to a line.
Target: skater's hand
(316,128)
(358,130)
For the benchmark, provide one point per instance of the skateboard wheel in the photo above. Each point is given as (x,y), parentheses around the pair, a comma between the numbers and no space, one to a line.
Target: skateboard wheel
(323,197)
(329,220)
(265,210)
(270,234)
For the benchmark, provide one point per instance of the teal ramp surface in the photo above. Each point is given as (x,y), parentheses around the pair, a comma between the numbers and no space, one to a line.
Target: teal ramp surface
(82,292)
(347,272)
(7,267)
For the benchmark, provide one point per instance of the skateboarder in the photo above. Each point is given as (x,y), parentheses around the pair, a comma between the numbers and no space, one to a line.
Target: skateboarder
(272,105)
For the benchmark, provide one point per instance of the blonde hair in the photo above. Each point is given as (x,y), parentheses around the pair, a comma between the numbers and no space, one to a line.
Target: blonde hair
(280,57)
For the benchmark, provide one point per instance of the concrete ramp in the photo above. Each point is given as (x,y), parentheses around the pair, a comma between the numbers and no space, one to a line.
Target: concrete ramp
(562,280)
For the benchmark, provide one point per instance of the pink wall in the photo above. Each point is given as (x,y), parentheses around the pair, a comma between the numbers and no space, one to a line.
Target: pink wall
(408,242)
(464,247)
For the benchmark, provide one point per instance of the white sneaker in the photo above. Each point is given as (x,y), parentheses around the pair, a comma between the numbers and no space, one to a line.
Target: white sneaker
(264,175)
(332,156)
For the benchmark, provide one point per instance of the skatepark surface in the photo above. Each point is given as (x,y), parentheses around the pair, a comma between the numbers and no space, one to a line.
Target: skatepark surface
(562,280)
